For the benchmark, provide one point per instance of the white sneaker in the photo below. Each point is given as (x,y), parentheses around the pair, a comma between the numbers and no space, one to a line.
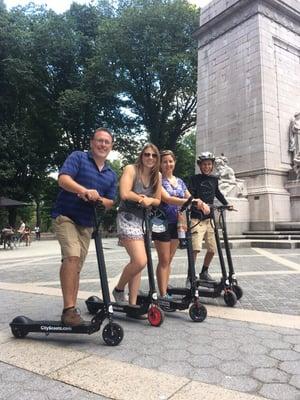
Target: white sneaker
(120,297)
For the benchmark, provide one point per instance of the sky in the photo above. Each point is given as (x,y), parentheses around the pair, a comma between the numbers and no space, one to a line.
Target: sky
(62,5)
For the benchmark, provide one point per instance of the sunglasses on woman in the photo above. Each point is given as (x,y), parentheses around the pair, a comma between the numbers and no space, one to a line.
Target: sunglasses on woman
(153,155)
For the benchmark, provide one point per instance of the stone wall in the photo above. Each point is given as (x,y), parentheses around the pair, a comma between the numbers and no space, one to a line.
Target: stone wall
(248,90)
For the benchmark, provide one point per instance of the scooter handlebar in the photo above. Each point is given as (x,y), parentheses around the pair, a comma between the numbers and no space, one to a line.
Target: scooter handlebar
(187,203)
(222,207)
(136,204)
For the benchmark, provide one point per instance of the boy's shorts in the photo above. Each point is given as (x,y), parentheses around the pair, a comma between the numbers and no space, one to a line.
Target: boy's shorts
(203,229)
(74,239)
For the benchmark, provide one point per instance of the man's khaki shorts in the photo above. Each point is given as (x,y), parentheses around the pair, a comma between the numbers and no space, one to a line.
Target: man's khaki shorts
(74,239)
(203,230)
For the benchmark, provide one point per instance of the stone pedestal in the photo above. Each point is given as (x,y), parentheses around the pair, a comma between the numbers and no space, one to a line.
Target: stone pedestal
(294,189)
(248,90)
(238,221)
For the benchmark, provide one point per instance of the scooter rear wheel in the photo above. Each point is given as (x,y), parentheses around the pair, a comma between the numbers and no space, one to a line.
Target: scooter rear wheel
(230,298)
(112,334)
(197,312)
(18,332)
(155,315)
(238,291)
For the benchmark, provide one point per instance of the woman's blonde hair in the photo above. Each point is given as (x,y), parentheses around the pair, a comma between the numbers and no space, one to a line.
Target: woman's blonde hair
(154,175)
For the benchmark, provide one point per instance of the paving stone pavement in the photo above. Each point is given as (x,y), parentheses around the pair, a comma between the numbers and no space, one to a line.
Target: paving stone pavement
(235,353)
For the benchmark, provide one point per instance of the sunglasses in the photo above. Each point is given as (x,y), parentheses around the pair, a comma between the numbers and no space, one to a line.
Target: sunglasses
(153,155)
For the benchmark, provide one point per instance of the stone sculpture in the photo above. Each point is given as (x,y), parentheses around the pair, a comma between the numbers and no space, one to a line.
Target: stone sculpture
(294,143)
(229,185)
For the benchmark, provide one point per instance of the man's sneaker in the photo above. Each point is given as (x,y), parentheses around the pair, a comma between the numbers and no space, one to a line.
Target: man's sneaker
(71,317)
(204,276)
(120,297)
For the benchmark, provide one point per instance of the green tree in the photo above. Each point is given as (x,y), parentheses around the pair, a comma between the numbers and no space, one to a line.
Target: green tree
(51,95)
(2,5)
(150,47)
(109,217)
(28,131)
(85,92)
(186,153)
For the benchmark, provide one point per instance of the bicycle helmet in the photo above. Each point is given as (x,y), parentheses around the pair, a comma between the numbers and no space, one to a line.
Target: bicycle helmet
(206,155)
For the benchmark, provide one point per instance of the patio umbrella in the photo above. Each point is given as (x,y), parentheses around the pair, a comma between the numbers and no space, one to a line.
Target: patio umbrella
(11,206)
(6,202)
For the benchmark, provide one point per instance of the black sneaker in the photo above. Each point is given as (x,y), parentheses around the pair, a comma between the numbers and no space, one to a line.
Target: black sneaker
(204,276)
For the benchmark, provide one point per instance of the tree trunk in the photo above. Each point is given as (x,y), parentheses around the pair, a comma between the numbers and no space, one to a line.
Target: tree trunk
(38,212)
(12,216)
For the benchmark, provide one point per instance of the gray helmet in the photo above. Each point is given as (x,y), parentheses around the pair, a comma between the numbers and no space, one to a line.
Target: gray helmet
(206,155)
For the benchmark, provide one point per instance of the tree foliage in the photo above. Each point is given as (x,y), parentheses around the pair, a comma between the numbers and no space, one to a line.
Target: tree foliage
(150,46)
(129,65)
(185,154)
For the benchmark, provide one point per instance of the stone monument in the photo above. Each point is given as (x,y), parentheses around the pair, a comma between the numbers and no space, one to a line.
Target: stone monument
(294,143)
(235,192)
(229,185)
(248,89)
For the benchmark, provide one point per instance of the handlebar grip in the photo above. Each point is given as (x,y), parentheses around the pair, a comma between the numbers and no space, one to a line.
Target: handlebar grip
(222,207)
(186,204)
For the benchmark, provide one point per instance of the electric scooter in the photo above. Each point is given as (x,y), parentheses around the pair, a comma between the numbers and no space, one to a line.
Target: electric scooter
(112,333)
(146,303)
(186,298)
(228,283)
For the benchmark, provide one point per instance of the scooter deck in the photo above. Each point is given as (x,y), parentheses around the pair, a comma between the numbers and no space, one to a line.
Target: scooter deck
(141,309)
(54,327)
(176,304)
(204,291)
(181,291)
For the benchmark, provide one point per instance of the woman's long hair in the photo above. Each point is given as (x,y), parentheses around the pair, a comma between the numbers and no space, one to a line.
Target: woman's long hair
(154,175)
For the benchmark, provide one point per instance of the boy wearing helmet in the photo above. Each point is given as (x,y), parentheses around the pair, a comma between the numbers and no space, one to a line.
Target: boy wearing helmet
(204,186)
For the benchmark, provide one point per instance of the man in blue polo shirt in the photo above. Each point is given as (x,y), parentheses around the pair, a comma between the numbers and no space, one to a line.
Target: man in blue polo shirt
(84,177)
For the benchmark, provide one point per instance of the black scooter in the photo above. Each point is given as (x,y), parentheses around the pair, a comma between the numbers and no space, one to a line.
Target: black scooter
(228,283)
(186,297)
(112,333)
(146,303)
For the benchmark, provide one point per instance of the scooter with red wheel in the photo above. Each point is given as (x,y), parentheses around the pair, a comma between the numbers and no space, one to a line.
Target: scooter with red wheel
(147,303)
(228,284)
(112,333)
(186,298)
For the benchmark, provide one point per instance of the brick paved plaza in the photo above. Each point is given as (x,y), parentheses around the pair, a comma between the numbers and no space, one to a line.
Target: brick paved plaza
(251,351)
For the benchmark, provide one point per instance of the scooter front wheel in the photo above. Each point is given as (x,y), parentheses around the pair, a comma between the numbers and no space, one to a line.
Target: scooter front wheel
(238,291)
(230,298)
(112,334)
(155,315)
(92,304)
(197,312)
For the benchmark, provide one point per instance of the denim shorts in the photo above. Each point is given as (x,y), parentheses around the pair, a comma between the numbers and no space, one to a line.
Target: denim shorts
(171,233)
